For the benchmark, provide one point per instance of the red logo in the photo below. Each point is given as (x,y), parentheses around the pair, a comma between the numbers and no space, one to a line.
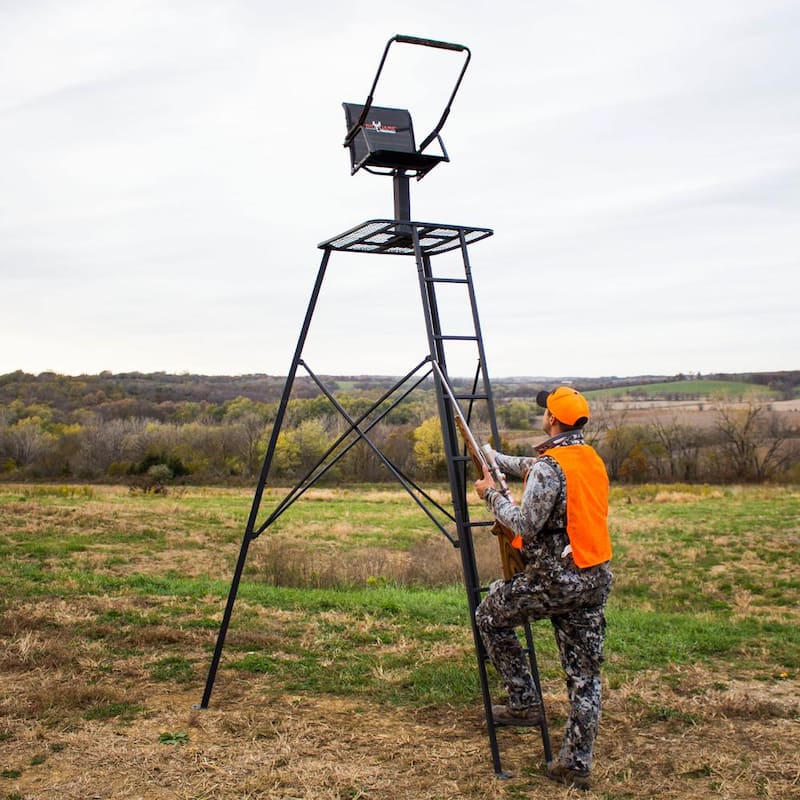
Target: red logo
(379,127)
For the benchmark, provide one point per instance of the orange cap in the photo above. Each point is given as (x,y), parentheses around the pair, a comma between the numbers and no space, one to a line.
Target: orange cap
(567,405)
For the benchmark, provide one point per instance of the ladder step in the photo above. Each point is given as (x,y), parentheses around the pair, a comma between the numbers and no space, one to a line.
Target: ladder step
(447,280)
(456,338)
(472,397)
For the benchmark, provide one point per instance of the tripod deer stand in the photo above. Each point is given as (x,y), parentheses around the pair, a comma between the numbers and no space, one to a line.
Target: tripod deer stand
(381,140)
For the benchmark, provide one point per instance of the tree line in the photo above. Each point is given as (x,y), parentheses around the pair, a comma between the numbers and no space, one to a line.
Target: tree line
(746,442)
(155,441)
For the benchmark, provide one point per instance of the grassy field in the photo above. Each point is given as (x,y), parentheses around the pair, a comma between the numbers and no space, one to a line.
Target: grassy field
(705,388)
(356,677)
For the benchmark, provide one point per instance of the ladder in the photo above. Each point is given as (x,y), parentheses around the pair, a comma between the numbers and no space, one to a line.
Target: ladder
(423,241)
(480,393)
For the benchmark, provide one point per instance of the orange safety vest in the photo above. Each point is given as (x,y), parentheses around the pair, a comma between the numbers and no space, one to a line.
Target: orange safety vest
(587,503)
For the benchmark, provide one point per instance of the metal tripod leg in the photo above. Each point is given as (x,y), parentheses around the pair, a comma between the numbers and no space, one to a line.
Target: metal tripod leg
(262,481)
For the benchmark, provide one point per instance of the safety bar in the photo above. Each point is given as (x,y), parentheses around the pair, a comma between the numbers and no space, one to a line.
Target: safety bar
(428,42)
(424,43)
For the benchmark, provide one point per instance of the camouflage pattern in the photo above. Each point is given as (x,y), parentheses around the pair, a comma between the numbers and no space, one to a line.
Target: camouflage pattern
(553,587)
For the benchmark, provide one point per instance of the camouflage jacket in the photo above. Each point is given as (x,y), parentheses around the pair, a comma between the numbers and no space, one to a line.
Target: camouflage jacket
(541,516)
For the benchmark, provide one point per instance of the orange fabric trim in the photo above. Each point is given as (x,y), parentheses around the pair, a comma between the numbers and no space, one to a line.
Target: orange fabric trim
(587,503)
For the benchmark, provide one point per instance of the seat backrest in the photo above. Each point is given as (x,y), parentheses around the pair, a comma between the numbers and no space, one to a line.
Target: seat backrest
(383,129)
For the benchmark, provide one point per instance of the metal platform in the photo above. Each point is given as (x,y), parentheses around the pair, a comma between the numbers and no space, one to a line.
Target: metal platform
(394,237)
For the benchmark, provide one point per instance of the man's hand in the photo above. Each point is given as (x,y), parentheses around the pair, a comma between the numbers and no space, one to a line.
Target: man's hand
(484,483)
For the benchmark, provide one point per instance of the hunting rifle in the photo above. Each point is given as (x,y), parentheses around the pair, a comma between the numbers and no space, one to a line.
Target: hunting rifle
(509,542)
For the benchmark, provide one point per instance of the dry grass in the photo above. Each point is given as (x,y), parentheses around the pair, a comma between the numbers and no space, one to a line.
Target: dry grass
(429,562)
(740,742)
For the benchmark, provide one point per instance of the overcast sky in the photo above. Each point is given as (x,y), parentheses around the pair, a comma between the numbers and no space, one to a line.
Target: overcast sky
(167,170)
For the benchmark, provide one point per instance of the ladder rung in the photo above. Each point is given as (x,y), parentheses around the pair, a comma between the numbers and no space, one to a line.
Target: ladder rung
(472,397)
(456,338)
(447,280)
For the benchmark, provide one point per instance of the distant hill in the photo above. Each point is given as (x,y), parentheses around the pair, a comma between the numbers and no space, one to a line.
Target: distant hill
(68,393)
(700,389)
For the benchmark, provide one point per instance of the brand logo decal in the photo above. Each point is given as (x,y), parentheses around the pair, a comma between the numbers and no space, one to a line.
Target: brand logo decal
(379,127)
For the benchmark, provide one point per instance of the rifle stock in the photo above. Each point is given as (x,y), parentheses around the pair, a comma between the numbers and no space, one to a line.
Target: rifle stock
(510,557)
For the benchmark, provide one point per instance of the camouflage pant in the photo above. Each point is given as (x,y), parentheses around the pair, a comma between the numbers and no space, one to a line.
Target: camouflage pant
(574,603)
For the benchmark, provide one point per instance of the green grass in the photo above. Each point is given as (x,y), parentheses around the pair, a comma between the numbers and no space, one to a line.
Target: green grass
(641,640)
(368,522)
(118,710)
(708,389)
(703,575)
(173,668)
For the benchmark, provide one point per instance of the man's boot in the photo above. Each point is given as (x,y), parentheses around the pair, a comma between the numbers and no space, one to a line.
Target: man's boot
(526,717)
(578,778)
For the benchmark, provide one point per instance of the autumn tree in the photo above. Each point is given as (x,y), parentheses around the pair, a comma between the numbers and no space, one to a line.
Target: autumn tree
(516,414)
(429,455)
(249,418)
(298,450)
(102,443)
(680,447)
(754,443)
(26,441)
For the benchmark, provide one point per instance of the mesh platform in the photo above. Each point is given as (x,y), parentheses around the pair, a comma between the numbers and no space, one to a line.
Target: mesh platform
(393,237)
